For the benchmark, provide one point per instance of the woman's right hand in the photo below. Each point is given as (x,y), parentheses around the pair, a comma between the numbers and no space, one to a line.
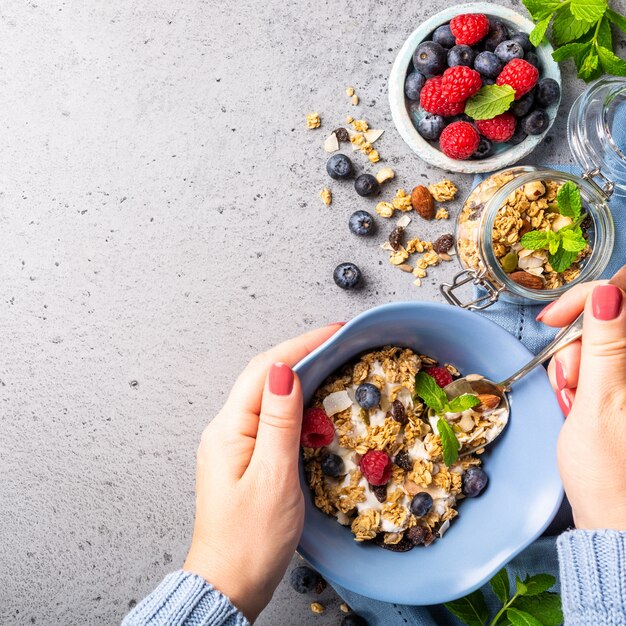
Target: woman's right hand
(589,378)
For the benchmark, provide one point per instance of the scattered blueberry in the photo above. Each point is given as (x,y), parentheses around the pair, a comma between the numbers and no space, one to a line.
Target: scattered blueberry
(547,92)
(485,149)
(497,34)
(413,85)
(352,619)
(518,136)
(339,166)
(347,275)
(430,58)
(444,37)
(522,107)
(421,504)
(488,80)
(533,59)
(488,64)
(509,50)
(522,39)
(461,55)
(305,580)
(367,395)
(474,481)
(535,122)
(431,126)
(366,185)
(361,223)
(332,465)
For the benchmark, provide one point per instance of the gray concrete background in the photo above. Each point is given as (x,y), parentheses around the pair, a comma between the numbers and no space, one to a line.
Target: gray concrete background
(161,224)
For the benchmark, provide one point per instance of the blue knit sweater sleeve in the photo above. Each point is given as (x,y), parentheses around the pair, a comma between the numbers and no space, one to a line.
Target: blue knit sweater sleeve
(185,599)
(593,577)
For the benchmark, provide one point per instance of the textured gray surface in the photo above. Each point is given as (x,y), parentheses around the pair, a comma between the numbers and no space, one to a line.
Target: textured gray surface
(160,224)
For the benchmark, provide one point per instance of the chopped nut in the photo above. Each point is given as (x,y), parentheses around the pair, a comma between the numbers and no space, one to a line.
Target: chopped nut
(384,209)
(373,156)
(422,202)
(405,267)
(360,125)
(444,256)
(534,190)
(385,174)
(417,282)
(313,120)
(527,280)
(373,134)
(332,143)
(442,214)
(317,608)
(344,608)
(350,92)
(355,99)
(443,191)
(326,195)
(349,119)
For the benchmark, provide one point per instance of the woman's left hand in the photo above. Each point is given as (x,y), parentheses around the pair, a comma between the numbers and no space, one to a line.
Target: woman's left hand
(249,505)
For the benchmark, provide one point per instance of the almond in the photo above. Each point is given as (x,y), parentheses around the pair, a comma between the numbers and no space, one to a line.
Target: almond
(410,487)
(527,280)
(423,202)
(488,401)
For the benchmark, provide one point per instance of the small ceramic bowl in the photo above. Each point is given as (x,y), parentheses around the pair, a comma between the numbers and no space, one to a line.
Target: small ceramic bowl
(524,491)
(504,154)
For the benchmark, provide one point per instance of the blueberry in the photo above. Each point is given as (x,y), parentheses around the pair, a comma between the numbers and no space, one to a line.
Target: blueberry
(352,619)
(430,58)
(533,59)
(461,55)
(431,126)
(339,166)
(509,50)
(535,122)
(366,185)
(332,465)
(523,40)
(367,395)
(361,223)
(413,85)
(488,80)
(497,34)
(444,37)
(485,149)
(488,64)
(518,136)
(422,503)
(522,107)
(347,275)
(305,580)
(474,481)
(547,92)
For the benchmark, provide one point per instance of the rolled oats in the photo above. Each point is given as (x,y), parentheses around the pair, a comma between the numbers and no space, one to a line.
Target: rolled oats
(327,196)
(442,214)
(443,191)
(313,120)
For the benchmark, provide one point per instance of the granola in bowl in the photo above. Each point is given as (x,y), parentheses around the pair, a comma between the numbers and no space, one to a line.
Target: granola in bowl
(381,460)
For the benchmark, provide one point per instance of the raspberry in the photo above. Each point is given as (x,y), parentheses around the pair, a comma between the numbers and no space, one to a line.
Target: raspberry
(376,467)
(470,28)
(499,128)
(520,75)
(441,375)
(459,83)
(459,140)
(317,429)
(433,101)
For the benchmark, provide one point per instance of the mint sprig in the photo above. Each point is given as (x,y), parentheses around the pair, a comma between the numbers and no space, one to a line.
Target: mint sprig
(564,245)
(435,398)
(531,604)
(581,31)
(491,100)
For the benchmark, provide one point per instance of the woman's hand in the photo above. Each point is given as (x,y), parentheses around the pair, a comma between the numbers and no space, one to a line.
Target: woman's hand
(249,505)
(589,378)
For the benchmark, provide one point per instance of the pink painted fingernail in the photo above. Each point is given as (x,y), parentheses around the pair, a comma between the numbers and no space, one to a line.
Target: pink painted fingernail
(560,375)
(545,310)
(606,302)
(337,324)
(566,399)
(280,379)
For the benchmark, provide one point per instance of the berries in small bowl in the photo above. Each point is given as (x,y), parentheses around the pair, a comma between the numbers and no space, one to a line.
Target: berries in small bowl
(482,96)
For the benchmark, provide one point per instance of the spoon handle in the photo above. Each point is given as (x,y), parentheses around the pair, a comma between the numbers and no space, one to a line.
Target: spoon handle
(563,337)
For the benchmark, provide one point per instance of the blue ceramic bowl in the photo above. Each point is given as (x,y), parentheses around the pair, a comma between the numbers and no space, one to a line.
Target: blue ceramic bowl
(524,491)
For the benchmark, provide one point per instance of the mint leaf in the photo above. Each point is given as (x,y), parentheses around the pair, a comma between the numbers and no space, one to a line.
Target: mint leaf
(538,584)
(500,585)
(462,403)
(589,68)
(566,27)
(572,240)
(562,259)
(539,32)
(472,609)
(569,200)
(588,10)
(605,36)
(553,243)
(570,50)
(490,101)
(535,240)
(430,392)
(539,9)
(449,443)
(617,19)
(520,587)
(546,607)
(611,63)
(521,618)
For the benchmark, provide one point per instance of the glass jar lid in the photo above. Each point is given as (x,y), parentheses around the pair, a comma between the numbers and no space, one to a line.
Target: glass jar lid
(596,131)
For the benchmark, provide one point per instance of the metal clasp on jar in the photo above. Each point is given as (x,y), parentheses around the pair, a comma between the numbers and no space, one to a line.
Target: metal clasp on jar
(479,279)
(606,190)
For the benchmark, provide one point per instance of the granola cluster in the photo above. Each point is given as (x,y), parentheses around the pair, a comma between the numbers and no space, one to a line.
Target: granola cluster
(400,427)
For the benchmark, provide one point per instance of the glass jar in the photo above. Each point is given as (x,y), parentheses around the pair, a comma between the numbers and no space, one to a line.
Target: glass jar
(597,139)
